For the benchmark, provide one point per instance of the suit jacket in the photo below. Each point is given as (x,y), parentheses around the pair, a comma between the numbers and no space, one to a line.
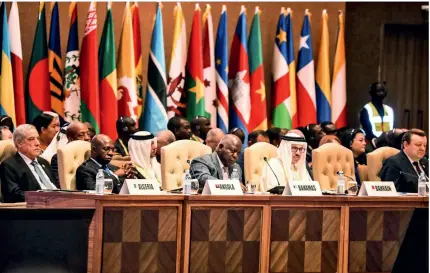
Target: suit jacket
(87,172)
(407,181)
(17,178)
(207,167)
(119,148)
(54,167)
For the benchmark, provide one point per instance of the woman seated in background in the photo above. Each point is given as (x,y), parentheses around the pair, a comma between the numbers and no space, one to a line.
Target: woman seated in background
(47,125)
(289,165)
(329,139)
(355,140)
(142,148)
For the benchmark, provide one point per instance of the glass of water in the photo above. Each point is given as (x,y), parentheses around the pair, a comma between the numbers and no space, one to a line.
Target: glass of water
(251,188)
(352,187)
(108,186)
(194,186)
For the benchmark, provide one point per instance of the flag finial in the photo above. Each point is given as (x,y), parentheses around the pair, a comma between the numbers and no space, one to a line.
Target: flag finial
(224,8)
(242,9)
(257,10)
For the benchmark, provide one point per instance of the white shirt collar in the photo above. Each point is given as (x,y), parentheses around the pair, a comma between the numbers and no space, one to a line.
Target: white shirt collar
(26,159)
(98,164)
(412,161)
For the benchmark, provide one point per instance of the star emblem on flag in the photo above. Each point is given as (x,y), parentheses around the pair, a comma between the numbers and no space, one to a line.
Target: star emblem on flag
(198,89)
(262,91)
(282,36)
(304,42)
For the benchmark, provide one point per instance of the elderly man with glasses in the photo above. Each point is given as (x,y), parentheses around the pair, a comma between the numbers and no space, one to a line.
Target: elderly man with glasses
(289,165)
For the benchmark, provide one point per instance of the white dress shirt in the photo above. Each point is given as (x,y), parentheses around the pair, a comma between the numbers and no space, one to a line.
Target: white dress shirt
(33,171)
(224,170)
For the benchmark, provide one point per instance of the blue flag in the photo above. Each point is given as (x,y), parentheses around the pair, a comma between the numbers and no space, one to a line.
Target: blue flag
(221,66)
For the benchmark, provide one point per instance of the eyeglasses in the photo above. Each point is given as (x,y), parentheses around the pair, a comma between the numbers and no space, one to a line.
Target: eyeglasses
(296,149)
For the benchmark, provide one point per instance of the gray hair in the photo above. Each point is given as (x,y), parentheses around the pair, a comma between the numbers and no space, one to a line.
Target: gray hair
(21,132)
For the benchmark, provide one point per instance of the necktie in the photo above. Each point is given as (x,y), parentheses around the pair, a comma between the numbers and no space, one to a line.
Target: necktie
(42,177)
(417,167)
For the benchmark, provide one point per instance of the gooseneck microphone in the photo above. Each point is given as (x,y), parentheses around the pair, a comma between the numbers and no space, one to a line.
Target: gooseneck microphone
(278,189)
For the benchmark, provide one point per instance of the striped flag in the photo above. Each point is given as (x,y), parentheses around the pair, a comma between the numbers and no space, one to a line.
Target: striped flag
(7,104)
(292,102)
(137,48)
(55,63)
(90,105)
(209,66)
(107,78)
(72,89)
(338,88)
(306,101)
(221,60)
(194,78)
(155,115)
(16,58)
(178,61)
(322,84)
(238,77)
(127,104)
(37,97)
(258,119)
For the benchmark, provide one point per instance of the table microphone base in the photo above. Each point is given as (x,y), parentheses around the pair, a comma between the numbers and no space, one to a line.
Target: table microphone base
(277,190)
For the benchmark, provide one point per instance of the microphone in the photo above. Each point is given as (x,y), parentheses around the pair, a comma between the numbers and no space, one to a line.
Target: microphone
(347,176)
(278,189)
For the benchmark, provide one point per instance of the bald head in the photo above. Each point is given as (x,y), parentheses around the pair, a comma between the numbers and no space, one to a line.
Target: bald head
(164,138)
(214,137)
(102,149)
(78,131)
(229,149)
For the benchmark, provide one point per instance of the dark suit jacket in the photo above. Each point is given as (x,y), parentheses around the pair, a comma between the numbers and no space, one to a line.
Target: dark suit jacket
(207,167)
(54,167)
(407,182)
(86,176)
(119,147)
(16,178)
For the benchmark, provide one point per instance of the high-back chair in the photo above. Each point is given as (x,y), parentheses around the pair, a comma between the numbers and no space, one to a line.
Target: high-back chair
(7,149)
(174,159)
(254,160)
(70,157)
(375,160)
(327,160)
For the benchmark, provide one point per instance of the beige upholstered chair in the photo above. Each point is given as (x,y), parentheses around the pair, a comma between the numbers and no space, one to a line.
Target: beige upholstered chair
(363,172)
(7,149)
(327,160)
(70,157)
(118,160)
(254,160)
(375,160)
(174,161)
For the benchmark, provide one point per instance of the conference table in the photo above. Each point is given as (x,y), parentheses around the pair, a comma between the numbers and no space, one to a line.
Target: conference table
(248,233)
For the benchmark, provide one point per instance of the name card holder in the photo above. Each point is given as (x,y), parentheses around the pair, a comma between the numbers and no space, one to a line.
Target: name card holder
(377,188)
(222,187)
(140,187)
(303,188)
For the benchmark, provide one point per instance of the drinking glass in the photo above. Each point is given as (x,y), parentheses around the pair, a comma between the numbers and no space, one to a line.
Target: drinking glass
(194,186)
(251,188)
(108,186)
(352,188)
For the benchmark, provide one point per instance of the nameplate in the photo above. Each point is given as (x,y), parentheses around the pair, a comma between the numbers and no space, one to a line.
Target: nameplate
(222,187)
(377,188)
(303,188)
(140,187)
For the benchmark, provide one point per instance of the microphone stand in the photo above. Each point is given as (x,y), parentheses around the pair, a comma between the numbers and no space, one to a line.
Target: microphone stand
(277,189)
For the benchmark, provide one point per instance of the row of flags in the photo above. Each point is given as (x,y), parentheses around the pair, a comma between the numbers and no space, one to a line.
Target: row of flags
(95,86)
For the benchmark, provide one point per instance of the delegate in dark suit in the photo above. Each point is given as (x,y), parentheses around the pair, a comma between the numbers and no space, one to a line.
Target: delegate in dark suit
(87,172)
(17,178)
(207,167)
(399,169)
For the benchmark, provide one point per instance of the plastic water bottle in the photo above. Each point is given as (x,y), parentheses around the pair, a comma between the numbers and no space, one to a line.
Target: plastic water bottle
(234,175)
(340,189)
(187,183)
(422,185)
(100,182)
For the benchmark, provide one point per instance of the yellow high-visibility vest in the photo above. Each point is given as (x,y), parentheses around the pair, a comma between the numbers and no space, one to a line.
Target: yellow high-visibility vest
(379,125)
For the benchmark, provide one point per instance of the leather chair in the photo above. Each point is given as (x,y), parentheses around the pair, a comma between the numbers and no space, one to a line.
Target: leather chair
(327,160)
(375,160)
(70,157)
(254,160)
(118,160)
(363,171)
(174,161)
(7,149)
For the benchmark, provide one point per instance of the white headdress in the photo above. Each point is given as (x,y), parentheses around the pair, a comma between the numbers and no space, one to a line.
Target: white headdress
(139,147)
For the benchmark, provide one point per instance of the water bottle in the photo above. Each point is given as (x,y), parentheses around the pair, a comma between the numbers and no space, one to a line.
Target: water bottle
(187,183)
(234,175)
(340,189)
(100,182)
(422,185)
